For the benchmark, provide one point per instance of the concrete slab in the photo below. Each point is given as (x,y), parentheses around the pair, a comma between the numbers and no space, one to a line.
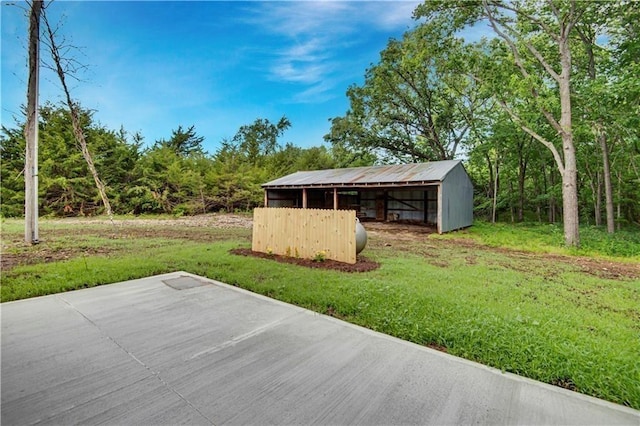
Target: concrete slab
(182,349)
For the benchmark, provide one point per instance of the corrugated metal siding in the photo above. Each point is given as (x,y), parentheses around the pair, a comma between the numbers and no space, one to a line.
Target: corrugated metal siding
(457,200)
(434,171)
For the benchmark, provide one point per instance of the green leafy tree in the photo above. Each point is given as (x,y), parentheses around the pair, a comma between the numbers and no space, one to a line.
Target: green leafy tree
(236,181)
(12,159)
(625,108)
(183,142)
(343,137)
(66,186)
(416,104)
(291,159)
(157,189)
(260,139)
(537,36)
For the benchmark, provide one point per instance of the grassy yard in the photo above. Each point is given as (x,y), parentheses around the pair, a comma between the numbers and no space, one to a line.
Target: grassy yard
(506,296)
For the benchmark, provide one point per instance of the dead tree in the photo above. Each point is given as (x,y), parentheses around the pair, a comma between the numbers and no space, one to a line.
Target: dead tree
(58,59)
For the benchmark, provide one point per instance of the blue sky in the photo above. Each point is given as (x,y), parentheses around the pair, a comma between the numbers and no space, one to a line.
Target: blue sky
(154,65)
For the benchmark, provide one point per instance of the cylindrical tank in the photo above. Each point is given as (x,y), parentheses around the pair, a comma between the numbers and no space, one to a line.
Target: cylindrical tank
(361,236)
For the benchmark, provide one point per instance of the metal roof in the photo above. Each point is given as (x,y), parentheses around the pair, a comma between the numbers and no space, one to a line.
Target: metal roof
(392,175)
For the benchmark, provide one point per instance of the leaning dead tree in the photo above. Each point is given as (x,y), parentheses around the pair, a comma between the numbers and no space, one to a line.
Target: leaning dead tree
(58,68)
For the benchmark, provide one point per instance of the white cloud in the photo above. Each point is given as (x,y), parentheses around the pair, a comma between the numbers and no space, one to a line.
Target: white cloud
(389,15)
(301,18)
(320,92)
(294,19)
(293,72)
(314,32)
(306,62)
(313,49)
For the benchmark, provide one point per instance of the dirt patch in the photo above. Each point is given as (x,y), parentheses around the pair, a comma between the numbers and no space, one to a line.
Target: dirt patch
(202,228)
(437,347)
(392,233)
(214,220)
(189,233)
(602,268)
(11,260)
(471,260)
(565,382)
(396,236)
(362,263)
(399,237)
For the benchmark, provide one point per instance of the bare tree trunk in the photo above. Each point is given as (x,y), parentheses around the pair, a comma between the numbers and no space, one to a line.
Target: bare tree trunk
(588,38)
(596,193)
(545,188)
(570,172)
(490,189)
(552,198)
(619,200)
(522,171)
(75,120)
(496,181)
(598,200)
(77,131)
(512,209)
(202,200)
(31,129)
(536,188)
(608,187)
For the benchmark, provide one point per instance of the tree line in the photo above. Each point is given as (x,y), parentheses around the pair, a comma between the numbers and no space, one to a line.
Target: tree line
(174,175)
(545,114)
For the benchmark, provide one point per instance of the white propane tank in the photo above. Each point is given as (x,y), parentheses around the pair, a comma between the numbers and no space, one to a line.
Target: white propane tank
(361,236)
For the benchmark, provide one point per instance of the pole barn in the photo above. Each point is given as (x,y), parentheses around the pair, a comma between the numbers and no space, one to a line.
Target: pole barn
(437,193)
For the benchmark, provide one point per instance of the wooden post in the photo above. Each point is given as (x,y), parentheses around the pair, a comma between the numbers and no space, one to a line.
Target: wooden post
(266,198)
(335,198)
(304,198)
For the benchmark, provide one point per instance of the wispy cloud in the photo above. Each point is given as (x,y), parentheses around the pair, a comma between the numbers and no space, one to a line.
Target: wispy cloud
(306,62)
(388,15)
(320,92)
(295,19)
(314,34)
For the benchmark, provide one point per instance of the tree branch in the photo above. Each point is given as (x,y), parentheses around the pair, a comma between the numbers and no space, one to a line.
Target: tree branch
(517,11)
(535,135)
(514,49)
(542,61)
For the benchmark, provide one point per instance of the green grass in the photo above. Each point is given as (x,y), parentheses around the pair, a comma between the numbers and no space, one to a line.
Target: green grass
(549,238)
(518,312)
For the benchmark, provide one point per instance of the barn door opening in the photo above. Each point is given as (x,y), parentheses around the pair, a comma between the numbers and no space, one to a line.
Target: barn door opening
(431,206)
(380,206)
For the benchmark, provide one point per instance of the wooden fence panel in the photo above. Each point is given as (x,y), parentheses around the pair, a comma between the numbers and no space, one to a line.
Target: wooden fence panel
(305,233)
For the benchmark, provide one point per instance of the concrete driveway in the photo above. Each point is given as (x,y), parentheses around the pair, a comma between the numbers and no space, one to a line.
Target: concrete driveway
(181,349)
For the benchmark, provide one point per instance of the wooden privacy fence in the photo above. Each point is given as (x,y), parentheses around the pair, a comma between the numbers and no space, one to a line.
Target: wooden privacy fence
(306,233)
